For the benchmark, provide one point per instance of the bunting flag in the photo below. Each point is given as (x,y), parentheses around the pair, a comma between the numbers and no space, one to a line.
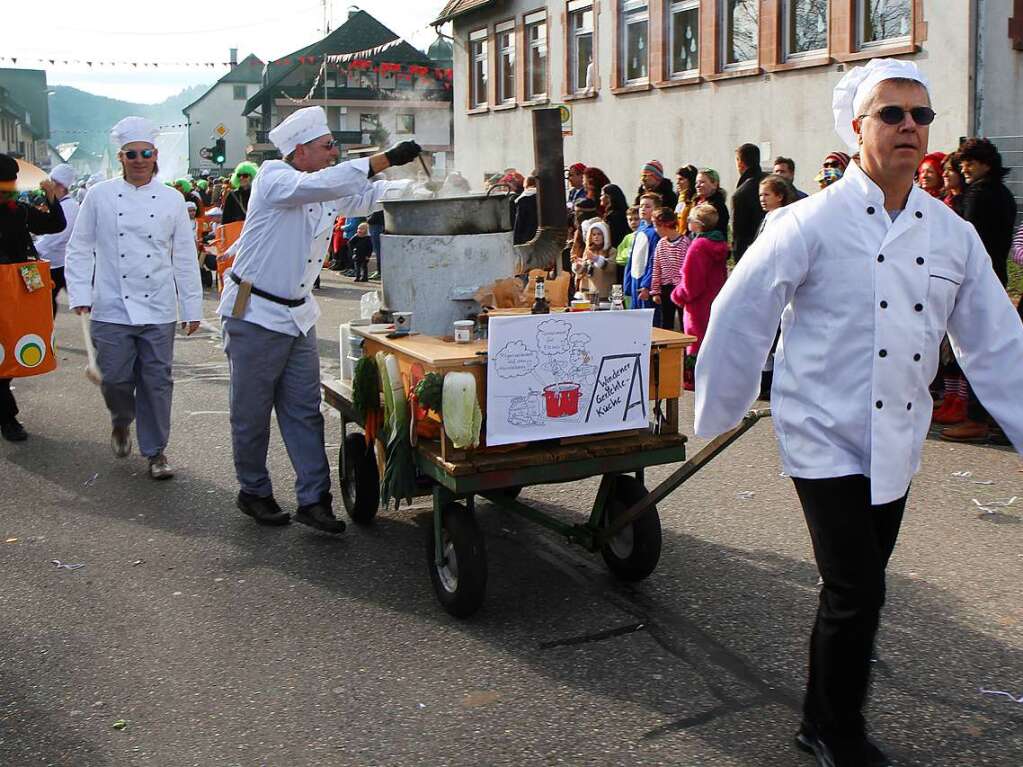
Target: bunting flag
(122,62)
(368,53)
(83,132)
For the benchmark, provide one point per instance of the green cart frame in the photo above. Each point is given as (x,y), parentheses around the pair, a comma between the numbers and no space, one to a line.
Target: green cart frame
(623,524)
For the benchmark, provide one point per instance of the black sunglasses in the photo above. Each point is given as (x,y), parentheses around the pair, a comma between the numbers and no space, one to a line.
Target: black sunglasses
(894,115)
(147,154)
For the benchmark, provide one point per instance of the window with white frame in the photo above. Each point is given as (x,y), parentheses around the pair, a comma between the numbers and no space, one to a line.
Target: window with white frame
(806,27)
(882,21)
(505,34)
(580,45)
(405,123)
(633,47)
(740,25)
(536,56)
(684,38)
(478,68)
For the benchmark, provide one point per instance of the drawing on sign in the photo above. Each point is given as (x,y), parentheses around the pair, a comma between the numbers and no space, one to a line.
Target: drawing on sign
(619,387)
(221,130)
(567,375)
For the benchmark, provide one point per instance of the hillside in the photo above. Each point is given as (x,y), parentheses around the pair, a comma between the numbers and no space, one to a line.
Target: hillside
(87,118)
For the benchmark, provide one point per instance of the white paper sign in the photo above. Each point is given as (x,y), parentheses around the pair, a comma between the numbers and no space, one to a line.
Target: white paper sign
(563,375)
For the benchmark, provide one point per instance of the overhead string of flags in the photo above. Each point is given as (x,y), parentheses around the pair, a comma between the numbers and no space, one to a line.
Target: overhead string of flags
(359,61)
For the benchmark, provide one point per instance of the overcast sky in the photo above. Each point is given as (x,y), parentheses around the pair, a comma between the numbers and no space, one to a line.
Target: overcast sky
(179,31)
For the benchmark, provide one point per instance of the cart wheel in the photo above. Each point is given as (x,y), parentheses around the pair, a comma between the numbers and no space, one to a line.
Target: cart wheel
(460,582)
(632,554)
(360,479)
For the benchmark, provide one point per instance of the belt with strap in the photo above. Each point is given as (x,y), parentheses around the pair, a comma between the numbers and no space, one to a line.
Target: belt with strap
(289,302)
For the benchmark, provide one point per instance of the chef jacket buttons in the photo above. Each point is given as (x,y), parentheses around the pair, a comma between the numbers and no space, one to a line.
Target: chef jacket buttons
(884,304)
(154,196)
(870,211)
(302,285)
(920,260)
(879,404)
(883,353)
(152,216)
(120,234)
(120,214)
(909,406)
(919,214)
(880,258)
(919,307)
(120,195)
(916,357)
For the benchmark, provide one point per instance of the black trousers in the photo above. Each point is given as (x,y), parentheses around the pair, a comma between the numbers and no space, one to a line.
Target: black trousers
(669,310)
(852,542)
(361,269)
(59,284)
(8,407)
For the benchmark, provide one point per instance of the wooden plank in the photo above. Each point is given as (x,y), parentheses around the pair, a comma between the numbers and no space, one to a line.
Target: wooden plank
(625,434)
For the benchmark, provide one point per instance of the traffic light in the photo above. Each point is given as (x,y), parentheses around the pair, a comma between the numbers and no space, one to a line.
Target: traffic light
(219,152)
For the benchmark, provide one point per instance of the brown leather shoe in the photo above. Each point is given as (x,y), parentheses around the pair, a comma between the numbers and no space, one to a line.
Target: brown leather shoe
(120,441)
(968,431)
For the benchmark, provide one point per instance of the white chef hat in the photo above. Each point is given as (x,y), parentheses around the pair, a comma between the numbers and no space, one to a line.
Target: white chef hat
(63,174)
(132,129)
(299,128)
(858,83)
(94,179)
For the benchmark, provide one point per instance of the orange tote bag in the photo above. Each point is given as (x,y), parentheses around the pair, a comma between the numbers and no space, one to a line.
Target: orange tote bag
(26,321)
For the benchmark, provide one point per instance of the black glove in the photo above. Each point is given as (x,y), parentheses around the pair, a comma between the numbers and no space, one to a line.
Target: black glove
(403,153)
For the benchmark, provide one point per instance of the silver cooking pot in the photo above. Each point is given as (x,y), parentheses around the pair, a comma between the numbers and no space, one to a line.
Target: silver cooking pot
(466,214)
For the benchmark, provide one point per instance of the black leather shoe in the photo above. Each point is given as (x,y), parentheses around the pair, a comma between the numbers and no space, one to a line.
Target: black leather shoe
(13,431)
(858,751)
(320,516)
(264,510)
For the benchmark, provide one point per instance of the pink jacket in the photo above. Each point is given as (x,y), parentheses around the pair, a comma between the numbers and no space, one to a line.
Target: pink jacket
(701,279)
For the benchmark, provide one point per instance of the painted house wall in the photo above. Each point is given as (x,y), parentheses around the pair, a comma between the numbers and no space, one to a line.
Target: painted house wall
(786,112)
(219,106)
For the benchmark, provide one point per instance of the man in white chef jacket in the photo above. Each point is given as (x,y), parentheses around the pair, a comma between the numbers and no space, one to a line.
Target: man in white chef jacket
(53,247)
(270,314)
(866,276)
(132,265)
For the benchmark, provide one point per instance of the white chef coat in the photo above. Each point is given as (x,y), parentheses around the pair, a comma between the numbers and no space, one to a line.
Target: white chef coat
(138,243)
(864,303)
(283,243)
(52,246)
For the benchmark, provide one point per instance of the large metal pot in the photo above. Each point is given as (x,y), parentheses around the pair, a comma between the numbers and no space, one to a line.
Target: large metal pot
(468,214)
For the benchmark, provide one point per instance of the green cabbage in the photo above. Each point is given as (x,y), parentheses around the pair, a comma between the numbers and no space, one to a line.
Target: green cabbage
(462,416)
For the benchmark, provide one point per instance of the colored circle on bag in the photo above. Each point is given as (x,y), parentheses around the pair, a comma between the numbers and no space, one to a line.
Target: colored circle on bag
(30,351)
(2,354)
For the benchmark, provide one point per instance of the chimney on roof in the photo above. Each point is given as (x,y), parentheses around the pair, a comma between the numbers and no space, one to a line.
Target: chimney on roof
(352,10)
(234,57)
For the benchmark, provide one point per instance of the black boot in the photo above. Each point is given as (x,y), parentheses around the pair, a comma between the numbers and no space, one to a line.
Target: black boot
(320,516)
(264,510)
(858,751)
(13,431)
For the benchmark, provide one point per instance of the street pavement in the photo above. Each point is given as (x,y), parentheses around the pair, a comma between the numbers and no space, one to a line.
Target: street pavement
(216,642)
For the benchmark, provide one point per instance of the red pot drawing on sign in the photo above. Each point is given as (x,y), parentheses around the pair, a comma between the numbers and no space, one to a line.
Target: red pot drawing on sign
(561,399)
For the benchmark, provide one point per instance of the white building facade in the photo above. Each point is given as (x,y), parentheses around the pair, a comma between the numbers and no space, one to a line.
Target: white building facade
(688,81)
(223,104)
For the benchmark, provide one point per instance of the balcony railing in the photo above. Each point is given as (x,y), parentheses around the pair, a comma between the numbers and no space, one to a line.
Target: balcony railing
(366,94)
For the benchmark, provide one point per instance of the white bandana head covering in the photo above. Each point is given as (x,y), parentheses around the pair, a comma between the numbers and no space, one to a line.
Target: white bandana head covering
(63,174)
(132,129)
(300,127)
(858,83)
(595,223)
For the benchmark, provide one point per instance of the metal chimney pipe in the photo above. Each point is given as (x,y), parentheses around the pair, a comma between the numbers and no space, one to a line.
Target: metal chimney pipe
(544,250)
(233,53)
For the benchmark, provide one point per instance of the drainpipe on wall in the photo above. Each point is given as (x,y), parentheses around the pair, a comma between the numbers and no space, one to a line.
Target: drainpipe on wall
(980,22)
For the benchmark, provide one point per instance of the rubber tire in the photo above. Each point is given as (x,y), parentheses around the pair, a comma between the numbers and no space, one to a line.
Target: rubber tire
(637,563)
(470,554)
(361,492)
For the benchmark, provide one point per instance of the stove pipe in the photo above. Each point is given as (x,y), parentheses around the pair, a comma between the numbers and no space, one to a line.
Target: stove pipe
(544,250)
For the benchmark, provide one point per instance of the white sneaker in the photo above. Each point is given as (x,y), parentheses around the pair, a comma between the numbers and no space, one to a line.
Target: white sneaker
(159,468)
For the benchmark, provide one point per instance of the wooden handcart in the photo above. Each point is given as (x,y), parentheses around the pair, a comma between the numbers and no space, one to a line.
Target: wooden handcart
(623,524)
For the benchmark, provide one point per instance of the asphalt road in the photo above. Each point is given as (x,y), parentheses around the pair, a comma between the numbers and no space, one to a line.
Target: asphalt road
(220,643)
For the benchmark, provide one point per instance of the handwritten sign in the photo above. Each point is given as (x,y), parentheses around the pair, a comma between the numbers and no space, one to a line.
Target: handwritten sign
(567,375)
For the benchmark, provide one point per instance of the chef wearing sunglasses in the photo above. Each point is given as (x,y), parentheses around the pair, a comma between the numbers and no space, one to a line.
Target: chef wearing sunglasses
(132,267)
(866,277)
(269,313)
